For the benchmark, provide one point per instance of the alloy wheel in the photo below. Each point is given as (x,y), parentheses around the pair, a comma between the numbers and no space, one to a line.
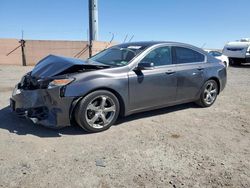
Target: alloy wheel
(100,111)
(210,93)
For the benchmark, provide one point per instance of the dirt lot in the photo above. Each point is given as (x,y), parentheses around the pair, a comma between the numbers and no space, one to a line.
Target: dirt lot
(182,146)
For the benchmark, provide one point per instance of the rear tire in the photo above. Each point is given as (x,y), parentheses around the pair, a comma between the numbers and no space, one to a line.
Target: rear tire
(209,94)
(97,111)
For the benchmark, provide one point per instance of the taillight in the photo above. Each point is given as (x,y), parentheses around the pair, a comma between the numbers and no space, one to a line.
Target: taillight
(248,50)
(222,63)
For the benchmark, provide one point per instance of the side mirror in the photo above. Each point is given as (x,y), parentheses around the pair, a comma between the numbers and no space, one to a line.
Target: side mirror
(144,65)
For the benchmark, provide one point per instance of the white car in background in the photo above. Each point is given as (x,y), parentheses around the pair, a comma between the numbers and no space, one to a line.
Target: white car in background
(219,55)
(238,52)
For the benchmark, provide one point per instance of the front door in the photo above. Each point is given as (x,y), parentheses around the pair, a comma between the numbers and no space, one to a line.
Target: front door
(156,87)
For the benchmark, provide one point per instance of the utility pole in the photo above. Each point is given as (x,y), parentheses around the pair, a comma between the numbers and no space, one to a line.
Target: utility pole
(93,23)
(22,43)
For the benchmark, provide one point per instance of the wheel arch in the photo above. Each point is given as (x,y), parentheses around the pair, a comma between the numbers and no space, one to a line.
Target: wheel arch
(78,99)
(217,81)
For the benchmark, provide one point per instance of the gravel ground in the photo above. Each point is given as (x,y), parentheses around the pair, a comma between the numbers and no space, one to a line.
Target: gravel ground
(181,146)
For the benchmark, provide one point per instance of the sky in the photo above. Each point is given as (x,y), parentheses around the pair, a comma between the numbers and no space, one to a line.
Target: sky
(209,23)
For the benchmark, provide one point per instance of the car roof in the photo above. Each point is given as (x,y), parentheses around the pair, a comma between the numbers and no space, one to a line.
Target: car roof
(149,43)
(146,44)
(142,43)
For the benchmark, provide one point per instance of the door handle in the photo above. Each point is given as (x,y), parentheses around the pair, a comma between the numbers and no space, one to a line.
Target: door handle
(170,71)
(200,68)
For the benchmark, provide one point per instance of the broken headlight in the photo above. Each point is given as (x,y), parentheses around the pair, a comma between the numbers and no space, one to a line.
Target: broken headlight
(60,82)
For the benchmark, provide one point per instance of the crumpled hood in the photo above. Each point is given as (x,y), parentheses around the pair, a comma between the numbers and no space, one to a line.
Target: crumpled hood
(53,65)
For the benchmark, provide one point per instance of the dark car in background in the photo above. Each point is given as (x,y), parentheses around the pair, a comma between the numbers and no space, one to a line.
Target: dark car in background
(122,80)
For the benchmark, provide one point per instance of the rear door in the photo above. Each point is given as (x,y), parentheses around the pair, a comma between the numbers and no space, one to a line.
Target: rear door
(190,72)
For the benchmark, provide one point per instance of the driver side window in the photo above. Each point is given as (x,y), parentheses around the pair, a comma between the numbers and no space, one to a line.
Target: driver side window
(160,56)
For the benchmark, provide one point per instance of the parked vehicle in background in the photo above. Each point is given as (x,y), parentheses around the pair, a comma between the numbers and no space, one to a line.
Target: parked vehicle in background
(122,80)
(238,52)
(219,55)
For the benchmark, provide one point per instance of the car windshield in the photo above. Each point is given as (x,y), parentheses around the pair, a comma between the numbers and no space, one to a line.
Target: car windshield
(116,56)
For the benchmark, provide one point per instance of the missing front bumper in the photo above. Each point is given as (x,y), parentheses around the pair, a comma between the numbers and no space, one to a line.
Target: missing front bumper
(43,106)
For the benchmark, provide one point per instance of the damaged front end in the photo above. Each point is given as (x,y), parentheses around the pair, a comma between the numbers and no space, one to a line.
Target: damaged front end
(34,99)
(39,95)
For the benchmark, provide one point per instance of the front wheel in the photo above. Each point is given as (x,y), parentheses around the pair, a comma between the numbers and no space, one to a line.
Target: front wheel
(97,111)
(209,94)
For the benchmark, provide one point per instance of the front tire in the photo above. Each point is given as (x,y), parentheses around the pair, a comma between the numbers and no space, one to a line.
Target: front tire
(98,111)
(209,94)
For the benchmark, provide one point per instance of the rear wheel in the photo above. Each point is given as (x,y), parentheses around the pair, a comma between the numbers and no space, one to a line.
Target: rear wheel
(209,94)
(97,111)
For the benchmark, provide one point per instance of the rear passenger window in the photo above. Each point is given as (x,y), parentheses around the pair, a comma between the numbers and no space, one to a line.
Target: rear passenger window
(186,55)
